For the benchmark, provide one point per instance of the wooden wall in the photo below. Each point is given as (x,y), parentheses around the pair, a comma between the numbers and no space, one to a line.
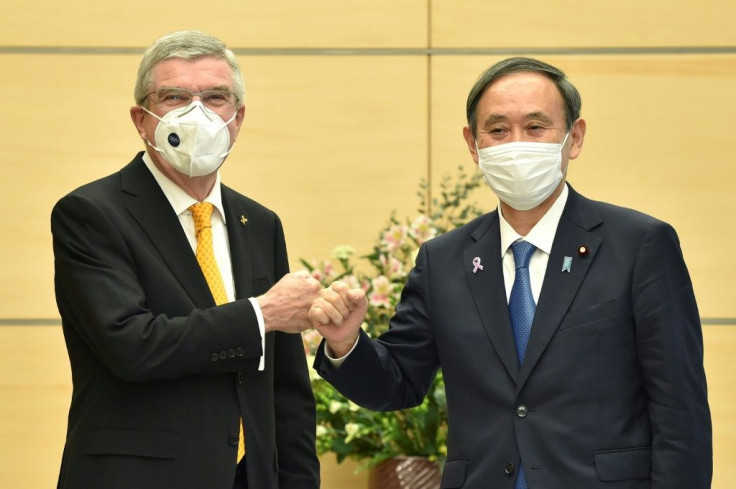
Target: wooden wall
(350,104)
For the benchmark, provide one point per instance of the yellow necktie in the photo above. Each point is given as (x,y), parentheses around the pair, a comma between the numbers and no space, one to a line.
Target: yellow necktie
(202,214)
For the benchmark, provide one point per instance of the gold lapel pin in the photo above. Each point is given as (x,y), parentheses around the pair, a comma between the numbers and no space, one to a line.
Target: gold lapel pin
(583,250)
(243,220)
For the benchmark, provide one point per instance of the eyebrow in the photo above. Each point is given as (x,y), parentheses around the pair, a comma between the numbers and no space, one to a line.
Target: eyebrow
(221,88)
(493,118)
(539,115)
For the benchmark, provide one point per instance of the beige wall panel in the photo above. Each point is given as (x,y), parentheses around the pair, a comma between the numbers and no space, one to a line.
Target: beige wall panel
(68,124)
(347,475)
(252,24)
(720,343)
(573,23)
(35,391)
(332,144)
(658,140)
(34,401)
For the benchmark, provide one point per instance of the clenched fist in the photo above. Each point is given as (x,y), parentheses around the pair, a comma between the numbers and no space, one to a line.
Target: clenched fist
(337,315)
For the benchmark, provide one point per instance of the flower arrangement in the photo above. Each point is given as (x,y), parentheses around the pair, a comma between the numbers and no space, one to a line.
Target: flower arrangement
(343,427)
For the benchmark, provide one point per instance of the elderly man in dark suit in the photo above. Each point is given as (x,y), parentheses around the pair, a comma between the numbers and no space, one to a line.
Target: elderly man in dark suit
(176,303)
(566,329)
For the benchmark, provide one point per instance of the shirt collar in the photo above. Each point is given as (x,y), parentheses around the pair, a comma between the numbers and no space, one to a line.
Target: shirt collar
(543,233)
(181,201)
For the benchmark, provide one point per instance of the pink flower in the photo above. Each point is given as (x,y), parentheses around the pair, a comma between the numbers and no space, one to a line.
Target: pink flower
(394,237)
(322,271)
(422,230)
(381,286)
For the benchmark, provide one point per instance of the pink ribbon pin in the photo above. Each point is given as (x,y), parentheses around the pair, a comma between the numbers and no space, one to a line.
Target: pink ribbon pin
(476,264)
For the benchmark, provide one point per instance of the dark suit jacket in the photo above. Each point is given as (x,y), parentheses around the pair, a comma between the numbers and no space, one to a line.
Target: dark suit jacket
(161,376)
(612,392)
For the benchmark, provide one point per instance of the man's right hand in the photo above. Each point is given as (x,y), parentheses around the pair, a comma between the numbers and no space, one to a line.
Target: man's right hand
(337,315)
(285,306)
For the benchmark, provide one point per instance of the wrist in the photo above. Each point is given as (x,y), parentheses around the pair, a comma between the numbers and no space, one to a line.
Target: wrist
(341,349)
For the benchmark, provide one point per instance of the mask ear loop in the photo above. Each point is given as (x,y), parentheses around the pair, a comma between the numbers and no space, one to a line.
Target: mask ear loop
(148,141)
(562,146)
(224,127)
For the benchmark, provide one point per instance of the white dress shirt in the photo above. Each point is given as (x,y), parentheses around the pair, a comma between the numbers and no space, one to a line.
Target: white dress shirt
(181,202)
(541,236)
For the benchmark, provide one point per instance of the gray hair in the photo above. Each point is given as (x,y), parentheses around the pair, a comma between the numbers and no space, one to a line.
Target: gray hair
(570,94)
(185,45)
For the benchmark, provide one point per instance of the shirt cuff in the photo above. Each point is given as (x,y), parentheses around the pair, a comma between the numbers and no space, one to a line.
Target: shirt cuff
(262,328)
(336,362)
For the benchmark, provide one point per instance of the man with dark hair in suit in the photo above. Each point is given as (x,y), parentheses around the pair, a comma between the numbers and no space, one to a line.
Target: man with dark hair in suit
(566,329)
(177,304)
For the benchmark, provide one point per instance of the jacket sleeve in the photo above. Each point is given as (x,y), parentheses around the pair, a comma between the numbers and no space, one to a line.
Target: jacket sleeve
(396,370)
(670,351)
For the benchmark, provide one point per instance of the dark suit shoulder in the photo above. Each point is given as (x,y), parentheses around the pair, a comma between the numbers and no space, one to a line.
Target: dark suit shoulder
(590,214)
(104,188)
(100,187)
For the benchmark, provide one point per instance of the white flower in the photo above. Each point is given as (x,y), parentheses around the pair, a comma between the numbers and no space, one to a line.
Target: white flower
(351,429)
(335,406)
(422,230)
(343,252)
(321,430)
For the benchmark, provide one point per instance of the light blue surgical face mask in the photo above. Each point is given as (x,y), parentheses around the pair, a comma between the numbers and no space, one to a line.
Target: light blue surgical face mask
(194,140)
(522,174)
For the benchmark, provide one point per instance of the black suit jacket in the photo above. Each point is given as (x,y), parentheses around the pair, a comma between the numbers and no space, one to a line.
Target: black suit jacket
(161,376)
(612,391)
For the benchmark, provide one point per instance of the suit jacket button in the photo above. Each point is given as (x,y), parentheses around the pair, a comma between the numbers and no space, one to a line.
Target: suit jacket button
(231,353)
(522,411)
(223,355)
(214,357)
(239,351)
(510,469)
(233,439)
(240,378)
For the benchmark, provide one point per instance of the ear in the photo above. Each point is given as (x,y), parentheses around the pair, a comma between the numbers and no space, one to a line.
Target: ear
(136,115)
(577,135)
(470,141)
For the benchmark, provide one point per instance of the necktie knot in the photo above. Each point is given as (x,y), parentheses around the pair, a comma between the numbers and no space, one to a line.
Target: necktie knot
(523,251)
(202,215)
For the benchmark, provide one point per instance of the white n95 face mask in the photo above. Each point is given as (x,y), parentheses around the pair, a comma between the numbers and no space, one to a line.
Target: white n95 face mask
(192,139)
(522,174)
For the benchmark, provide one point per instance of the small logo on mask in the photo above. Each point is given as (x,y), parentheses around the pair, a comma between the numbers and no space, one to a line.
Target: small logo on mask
(174,139)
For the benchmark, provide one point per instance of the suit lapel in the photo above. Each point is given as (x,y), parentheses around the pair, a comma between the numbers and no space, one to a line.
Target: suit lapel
(560,286)
(154,214)
(238,232)
(489,293)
